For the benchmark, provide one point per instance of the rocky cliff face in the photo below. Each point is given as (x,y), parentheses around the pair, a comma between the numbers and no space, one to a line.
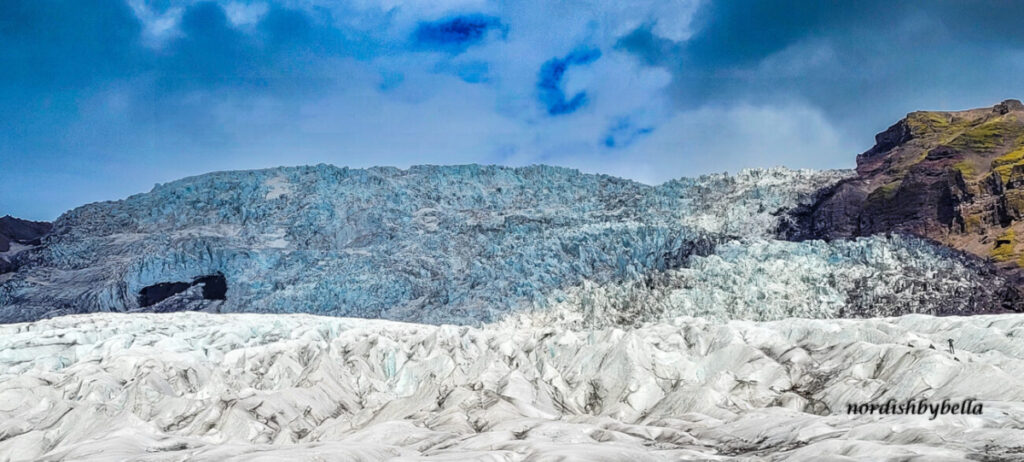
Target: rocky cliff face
(18,231)
(952,177)
(17,235)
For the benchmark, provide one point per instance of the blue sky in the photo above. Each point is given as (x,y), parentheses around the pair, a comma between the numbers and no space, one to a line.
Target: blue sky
(100,99)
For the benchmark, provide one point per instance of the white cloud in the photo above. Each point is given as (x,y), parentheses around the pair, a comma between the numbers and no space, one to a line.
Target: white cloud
(427,114)
(434,117)
(158,25)
(715,139)
(243,13)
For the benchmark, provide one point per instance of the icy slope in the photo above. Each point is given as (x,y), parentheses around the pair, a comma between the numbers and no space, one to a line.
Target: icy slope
(459,244)
(771,280)
(471,244)
(297,387)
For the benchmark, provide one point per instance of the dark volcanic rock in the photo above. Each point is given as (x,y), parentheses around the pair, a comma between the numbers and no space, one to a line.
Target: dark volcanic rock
(1008,106)
(953,177)
(14,230)
(21,231)
(894,136)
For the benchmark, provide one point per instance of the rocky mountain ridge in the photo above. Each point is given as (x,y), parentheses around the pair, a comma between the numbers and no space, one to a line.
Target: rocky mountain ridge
(953,177)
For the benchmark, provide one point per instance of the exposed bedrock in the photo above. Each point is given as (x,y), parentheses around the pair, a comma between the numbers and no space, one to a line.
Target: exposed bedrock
(21,231)
(956,178)
(16,237)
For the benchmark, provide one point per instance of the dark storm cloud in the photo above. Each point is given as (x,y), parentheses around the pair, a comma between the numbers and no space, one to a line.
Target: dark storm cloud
(862,63)
(210,53)
(549,84)
(456,34)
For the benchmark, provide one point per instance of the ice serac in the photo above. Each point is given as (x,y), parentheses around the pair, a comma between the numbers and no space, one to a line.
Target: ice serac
(953,177)
(470,244)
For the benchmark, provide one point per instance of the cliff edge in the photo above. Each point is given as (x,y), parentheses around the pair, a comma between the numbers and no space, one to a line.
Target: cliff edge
(953,177)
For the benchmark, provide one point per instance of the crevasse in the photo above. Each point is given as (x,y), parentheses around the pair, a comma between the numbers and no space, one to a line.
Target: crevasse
(471,244)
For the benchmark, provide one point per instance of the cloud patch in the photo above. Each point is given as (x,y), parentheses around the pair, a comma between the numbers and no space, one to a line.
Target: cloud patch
(456,34)
(550,80)
(863,64)
(623,132)
(141,91)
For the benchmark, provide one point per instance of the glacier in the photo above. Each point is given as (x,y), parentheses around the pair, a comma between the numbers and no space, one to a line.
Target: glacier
(494,314)
(771,280)
(473,244)
(206,387)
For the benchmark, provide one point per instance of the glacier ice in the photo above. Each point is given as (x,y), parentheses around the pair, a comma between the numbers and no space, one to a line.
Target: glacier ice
(471,244)
(557,316)
(196,386)
(761,279)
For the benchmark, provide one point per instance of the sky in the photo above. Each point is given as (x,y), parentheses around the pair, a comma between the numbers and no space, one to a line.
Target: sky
(101,99)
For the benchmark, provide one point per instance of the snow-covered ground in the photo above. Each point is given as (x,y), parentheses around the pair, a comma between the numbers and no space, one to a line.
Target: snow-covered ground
(195,386)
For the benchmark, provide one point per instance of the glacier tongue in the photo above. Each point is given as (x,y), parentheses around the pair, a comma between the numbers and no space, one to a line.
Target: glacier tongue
(763,280)
(193,386)
(472,244)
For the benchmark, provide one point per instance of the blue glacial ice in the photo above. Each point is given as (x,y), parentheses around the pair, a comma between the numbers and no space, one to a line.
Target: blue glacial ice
(470,244)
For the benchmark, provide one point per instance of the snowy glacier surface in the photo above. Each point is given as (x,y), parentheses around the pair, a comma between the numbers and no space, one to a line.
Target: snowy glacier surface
(473,244)
(245,387)
(551,315)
